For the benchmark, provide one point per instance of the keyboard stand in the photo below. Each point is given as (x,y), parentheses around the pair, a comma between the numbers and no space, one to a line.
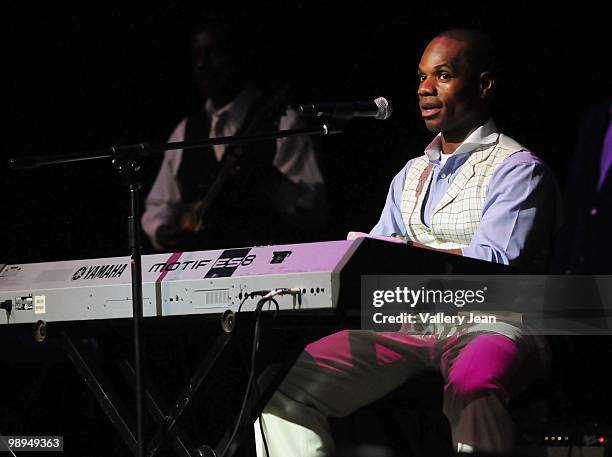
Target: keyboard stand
(107,398)
(167,418)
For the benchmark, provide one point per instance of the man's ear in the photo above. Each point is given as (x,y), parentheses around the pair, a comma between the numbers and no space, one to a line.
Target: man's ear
(487,84)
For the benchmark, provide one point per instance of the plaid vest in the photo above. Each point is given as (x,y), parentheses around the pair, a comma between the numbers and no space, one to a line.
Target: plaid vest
(455,218)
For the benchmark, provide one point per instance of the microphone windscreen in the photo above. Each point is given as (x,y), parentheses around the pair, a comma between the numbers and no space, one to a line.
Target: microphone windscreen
(385,109)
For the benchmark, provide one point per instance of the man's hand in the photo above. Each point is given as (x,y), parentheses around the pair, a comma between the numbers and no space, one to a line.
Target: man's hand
(190,218)
(357,235)
(421,245)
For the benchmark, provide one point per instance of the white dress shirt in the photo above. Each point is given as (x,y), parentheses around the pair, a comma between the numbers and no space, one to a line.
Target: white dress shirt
(295,158)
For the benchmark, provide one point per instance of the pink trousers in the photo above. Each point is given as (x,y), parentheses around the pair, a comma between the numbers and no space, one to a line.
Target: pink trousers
(340,373)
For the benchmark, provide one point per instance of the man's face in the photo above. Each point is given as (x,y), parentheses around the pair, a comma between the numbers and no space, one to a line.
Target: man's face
(213,67)
(206,58)
(450,96)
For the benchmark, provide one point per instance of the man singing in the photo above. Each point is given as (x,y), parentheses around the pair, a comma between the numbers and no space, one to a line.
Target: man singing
(474,192)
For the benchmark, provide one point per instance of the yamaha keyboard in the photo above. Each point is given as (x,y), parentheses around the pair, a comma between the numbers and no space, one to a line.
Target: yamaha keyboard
(326,274)
(72,297)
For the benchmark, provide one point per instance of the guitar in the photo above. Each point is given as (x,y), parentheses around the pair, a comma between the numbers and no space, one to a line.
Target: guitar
(194,216)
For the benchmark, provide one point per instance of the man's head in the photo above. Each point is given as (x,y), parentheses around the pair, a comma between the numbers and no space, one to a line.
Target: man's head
(456,81)
(220,62)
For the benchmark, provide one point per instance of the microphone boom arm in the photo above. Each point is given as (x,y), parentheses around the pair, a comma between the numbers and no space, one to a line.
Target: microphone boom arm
(147,149)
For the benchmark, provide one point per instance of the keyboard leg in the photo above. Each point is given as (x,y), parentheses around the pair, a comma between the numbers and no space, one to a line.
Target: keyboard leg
(170,420)
(108,400)
(180,442)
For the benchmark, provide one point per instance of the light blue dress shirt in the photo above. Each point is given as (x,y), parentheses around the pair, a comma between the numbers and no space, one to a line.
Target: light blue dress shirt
(520,213)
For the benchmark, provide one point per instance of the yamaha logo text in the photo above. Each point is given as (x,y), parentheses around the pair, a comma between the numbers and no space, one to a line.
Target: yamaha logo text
(100,272)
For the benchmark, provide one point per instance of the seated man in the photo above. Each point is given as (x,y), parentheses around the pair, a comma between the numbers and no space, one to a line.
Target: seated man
(229,196)
(475,192)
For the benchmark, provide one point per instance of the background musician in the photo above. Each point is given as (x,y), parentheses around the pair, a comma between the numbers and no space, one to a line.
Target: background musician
(225,196)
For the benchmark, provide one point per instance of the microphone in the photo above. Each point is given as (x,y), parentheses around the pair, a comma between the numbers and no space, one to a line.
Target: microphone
(379,108)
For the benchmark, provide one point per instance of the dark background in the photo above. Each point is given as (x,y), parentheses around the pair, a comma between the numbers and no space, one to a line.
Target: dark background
(86,77)
(93,74)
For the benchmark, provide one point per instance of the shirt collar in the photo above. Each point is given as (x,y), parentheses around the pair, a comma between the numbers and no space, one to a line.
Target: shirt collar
(485,134)
(236,110)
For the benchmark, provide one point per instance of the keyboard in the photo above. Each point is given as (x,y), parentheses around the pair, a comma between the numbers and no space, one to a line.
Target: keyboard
(326,274)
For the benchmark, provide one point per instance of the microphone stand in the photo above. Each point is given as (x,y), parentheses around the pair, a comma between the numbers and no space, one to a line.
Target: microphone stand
(125,159)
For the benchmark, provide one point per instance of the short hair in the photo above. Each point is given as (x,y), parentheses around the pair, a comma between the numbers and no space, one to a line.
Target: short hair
(481,54)
(237,32)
